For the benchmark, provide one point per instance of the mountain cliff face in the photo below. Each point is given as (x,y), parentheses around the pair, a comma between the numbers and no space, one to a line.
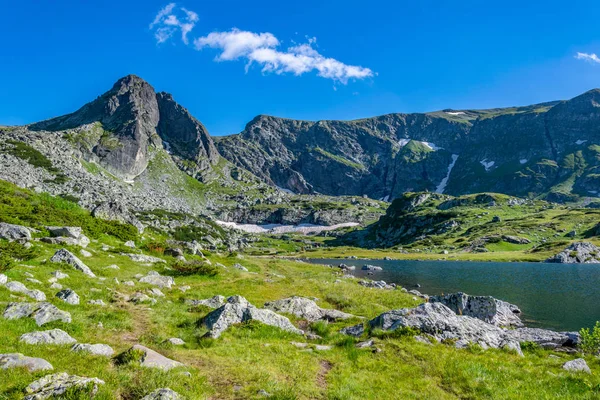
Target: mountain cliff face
(548,150)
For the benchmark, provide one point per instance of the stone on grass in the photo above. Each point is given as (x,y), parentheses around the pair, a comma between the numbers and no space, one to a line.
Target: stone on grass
(130,244)
(240,267)
(53,336)
(306,308)
(377,285)
(238,310)
(12,232)
(65,231)
(154,278)
(56,286)
(176,341)
(18,287)
(98,302)
(354,330)
(112,266)
(213,302)
(59,275)
(65,256)
(95,349)
(156,292)
(42,313)
(578,365)
(3,279)
(142,258)
(485,308)
(52,386)
(17,360)
(68,296)
(163,394)
(149,358)
(140,297)
(85,253)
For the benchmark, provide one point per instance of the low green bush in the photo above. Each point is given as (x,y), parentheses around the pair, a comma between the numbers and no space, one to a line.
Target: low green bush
(590,340)
(194,267)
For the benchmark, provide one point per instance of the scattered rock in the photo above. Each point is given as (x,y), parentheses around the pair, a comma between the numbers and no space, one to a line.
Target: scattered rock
(371,268)
(68,296)
(42,313)
(65,256)
(377,285)
(53,336)
(240,267)
(97,302)
(17,360)
(176,341)
(544,337)
(213,302)
(95,349)
(59,275)
(85,253)
(153,278)
(12,232)
(485,308)
(18,287)
(578,365)
(515,239)
(3,279)
(112,266)
(238,310)
(163,394)
(130,244)
(150,359)
(142,258)
(156,292)
(306,309)
(354,330)
(51,386)
(140,297)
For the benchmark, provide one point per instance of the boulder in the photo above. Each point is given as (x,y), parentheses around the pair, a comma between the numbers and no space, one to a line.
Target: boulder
(65,256)
(440,322)
(18,287)
(371,268)
(238,310)
(3,279)
(485,308)
(577,253)
(176,341)
(515,239)
(95,349)
(17,360)
(240,267)
(12,232)
(42,313)
(213,302)
(65,231)
(150,359)
(52,386)
(163,394)
(140,297)
(68,296)
(577,365)
(59,275)
(305,308)
(377,285)
(544,337)
(354,330)
(53,336)
(154,278)
(113,211)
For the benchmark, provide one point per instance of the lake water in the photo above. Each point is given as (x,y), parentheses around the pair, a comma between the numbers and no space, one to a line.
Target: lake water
(553,296)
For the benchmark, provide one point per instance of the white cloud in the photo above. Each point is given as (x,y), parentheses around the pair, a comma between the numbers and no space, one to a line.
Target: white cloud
(166,23)
(593,58)
(261,48)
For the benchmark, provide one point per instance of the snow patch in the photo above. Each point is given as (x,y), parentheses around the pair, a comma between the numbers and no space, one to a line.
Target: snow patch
(429,145)
(167,147)
(487,164)
(523,160)
(403,142)
(580,141)
(284,190)
(442,186)
(279,229)
(455,112)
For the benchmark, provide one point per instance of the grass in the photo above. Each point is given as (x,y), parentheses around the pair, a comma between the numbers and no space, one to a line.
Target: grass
(339,159)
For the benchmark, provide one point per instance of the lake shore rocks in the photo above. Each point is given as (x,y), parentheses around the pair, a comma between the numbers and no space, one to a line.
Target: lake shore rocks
(485,308)
(577,253)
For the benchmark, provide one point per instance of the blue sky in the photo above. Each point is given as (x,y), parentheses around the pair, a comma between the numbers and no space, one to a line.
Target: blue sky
(314,60)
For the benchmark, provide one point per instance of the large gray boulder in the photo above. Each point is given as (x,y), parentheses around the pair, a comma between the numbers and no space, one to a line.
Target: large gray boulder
(213,302)
(52,386)
(377,285)
(163,394)
(69,235)
(17,360)
(53,336)
(305,308)
(95,349)
(577,253)
(151,359)
(440,322)
(42,313)
(577,365)
(12,232)
(114,211)
(154,278)
(68,296)
(544,337)
(142,258)
(65,256)
(238,310)
(18,287)
(485,308)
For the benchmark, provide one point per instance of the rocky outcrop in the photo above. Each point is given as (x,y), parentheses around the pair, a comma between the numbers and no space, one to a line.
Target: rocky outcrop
(149,358)
(53,336)
(377,285)
(17,360)
(577,253)
(42,313)
(115,211)
(306,309)
(440,322)
(485,308)
(18,287)
(52,386)
(68,296)
(213,302)
(545,338)
(95,349)
(155,279)
(65,256)
(238,310)
(67,235)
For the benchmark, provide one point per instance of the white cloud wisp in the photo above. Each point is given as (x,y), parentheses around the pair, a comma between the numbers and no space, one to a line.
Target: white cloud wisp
(166,23)
(592,58)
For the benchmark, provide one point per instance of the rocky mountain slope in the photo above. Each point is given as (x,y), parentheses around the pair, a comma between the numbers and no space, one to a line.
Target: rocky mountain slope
(548,150)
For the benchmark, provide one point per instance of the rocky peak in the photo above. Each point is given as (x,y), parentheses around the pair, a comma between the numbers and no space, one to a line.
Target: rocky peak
(183,135)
